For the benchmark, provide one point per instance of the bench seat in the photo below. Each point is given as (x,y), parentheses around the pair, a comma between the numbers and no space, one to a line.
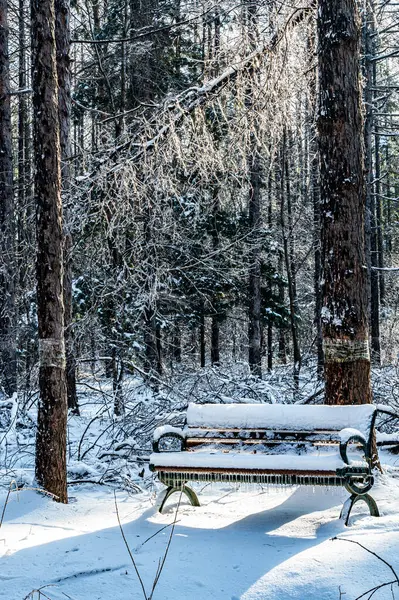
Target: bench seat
(322,463)
(269,444)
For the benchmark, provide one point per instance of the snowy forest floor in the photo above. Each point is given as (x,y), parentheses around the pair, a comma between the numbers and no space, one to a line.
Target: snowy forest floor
(247,543)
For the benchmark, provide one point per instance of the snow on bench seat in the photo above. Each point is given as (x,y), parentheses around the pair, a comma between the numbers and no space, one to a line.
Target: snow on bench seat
(235,461)
(281,417)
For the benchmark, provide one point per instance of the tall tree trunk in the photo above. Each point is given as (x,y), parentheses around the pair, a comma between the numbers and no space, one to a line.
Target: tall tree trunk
(388,204)
(378,214)
(315,193)
(254,214)
(62,34)
(282,342)
(370,208)
(202,336)
(286,195)
(254,287)
(215,321)
(342,191)
(8,359)
(52,411)
(270,285)
(24,206)
(177,341)
(215,341)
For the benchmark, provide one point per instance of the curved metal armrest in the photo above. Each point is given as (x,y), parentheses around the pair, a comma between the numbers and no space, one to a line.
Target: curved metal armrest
(170,434)
(352,435)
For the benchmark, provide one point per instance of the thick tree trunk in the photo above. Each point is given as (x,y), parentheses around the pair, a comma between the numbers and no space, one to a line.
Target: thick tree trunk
(342,190)
(8,362)
(62,33)
(52,412)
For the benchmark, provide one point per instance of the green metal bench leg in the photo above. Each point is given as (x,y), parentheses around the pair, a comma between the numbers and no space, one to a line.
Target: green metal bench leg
(191,495)
(351,501)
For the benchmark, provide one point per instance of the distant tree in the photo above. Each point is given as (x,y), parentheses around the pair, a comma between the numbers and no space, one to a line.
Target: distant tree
(52,410)
(342,191)
(8,365)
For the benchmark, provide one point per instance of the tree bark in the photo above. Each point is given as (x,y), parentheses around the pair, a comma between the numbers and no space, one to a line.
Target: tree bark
(215,341)
(202,336)
(254,214)
(52,411)
(62,34)
(342,191)
(270,224)
(288,258)
(8,362)
(315,194)
(254,287)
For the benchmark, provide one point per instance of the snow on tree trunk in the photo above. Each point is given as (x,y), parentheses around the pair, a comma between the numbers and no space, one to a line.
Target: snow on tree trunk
(52,412)
(342,189)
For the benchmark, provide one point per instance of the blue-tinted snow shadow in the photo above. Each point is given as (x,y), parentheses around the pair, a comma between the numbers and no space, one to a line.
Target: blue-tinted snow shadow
(212,564)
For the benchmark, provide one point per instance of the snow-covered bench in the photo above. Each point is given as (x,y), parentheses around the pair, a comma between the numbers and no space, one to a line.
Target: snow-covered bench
(269,444)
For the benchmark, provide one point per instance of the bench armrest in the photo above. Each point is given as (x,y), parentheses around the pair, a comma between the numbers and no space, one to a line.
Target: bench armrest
(167,431)
(351,435)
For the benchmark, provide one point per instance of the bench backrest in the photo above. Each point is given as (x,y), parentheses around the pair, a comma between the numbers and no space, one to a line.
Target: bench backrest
(281,417)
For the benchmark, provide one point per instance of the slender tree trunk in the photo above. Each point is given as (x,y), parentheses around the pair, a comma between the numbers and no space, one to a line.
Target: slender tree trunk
(52,412)
(286,195)
(177,341)
(318,264)
(270,223)
(254,214)
(62,34)
(370,209)
(282,342)
(342,190)
(215,321)
(315,193)
(215,342)
(24,210)
(202,336)
(153,358)
(378,216)
(254,287)
(8,359)
(388,205)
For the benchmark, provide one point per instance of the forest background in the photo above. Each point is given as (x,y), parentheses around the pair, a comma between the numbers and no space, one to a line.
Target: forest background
(192,208)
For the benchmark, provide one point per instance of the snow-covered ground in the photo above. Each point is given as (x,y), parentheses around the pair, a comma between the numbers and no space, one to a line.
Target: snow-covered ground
(248,544)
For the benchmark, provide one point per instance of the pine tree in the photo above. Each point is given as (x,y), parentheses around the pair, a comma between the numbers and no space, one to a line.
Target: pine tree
(8,371)
(52,411)
(342,191)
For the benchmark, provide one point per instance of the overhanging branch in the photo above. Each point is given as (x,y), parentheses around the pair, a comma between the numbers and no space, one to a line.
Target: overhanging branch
(178,107)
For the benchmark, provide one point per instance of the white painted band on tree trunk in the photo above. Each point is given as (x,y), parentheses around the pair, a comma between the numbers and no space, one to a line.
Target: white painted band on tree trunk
(52,353)
(345,350)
